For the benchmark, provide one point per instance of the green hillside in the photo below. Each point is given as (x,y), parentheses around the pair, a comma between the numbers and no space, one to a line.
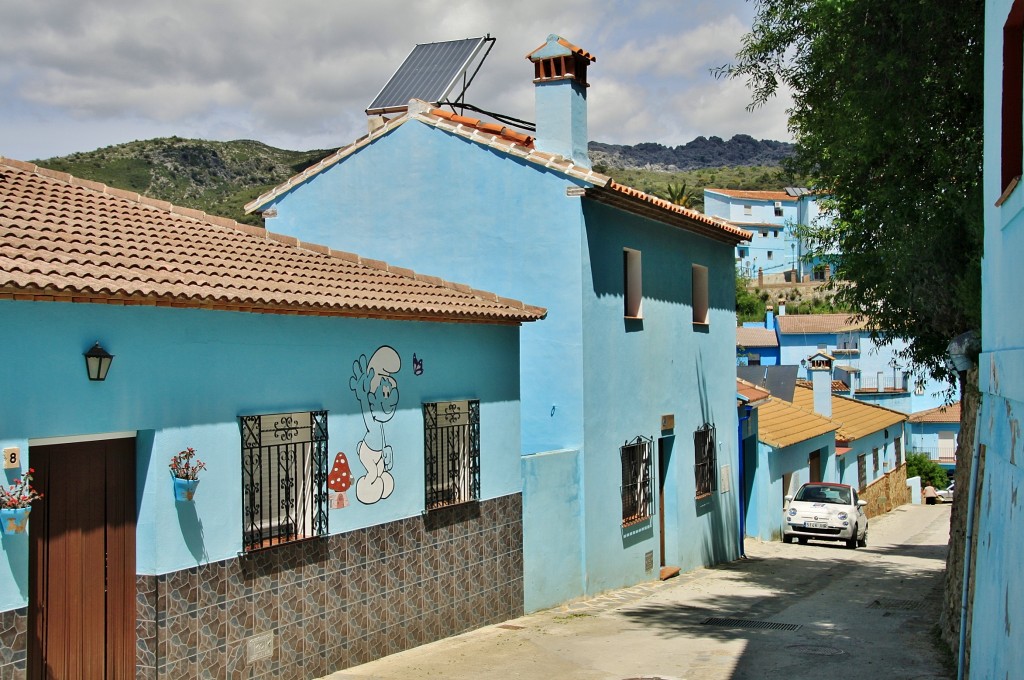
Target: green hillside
(216,177)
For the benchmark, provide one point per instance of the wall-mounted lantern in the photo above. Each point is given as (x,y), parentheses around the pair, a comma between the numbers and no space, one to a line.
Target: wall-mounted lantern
(97,362)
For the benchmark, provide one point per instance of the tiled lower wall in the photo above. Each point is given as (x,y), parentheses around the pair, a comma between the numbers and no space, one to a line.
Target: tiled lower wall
(13,643)
(322,605)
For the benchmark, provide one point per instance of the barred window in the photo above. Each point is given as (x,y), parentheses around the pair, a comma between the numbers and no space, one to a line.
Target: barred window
(862,471)
(636,480)
(874,459)
(451,436)
(898,446)
(284,478)
(704,459)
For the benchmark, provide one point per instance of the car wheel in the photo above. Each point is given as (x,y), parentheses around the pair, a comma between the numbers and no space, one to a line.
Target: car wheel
(802,539)
(863,542)
(852,541)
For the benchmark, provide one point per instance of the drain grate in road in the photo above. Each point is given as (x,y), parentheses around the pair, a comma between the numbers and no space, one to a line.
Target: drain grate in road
(816,650)
(893,603)
(747,623)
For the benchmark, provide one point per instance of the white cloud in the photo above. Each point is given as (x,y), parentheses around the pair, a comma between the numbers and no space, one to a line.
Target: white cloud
(303,70)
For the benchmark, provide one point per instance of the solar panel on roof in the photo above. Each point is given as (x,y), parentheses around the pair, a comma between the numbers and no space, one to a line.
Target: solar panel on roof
(429,73)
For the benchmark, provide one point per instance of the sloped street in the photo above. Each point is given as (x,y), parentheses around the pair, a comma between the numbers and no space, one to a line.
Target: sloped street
(788,611)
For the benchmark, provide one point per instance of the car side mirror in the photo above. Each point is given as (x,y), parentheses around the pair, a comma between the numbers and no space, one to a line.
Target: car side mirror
(789,499)
(861,503)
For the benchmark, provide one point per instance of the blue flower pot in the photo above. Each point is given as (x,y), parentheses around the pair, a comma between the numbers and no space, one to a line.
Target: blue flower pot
(14,520)
(184,489)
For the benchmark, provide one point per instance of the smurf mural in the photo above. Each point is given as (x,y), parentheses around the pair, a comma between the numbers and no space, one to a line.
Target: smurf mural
(377,391)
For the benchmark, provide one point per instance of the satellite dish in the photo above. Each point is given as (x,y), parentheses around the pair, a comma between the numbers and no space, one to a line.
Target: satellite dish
(431,72)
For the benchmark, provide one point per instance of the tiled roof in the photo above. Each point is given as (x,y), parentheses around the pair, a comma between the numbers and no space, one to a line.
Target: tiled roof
(756,337)
(949,413)
(567,45)
(781,424)
(856,419)
(503,139)
(819,323)
(750,392)
(837,385)
(67,239)
(755,195)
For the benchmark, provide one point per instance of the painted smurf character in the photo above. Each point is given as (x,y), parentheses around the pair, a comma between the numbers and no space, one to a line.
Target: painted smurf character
(377,392)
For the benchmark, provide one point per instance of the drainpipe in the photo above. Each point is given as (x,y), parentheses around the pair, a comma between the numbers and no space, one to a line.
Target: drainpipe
(742,483)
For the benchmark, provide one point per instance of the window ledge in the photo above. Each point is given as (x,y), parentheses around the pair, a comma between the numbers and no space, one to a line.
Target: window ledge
(1008,191)
(633,318)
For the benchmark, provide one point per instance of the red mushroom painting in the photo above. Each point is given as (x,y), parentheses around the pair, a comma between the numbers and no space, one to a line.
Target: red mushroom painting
(339,481)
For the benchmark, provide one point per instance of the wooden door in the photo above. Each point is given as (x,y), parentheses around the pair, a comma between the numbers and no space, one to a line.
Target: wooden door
(82,562)
(814,463)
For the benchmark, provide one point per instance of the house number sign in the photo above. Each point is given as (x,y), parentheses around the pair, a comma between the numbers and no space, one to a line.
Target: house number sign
(12,457)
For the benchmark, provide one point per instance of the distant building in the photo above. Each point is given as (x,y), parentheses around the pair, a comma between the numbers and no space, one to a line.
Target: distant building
(775,251)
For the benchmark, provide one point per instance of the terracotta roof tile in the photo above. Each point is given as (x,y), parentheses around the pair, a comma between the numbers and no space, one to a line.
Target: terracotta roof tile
(751,392)
(781,424)
(755,195)
(819,323)
(756,337)
(856,419)
(569,46)
(948,413)
(62,239)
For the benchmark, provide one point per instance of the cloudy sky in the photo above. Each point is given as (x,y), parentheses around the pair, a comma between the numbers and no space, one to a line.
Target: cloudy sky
(297,74)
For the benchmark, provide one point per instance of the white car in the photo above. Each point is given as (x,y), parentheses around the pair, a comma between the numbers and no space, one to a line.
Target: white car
(825,511)
(946,495)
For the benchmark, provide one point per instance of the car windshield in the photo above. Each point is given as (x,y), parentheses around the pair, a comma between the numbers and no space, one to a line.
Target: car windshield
(823,494)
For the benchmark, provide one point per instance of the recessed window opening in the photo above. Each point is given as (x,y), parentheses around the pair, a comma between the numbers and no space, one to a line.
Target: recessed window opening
(284,478)
(778,208)
(748,210)
(1013,93)
(699,276)
(451,437)
(632,284)
(704,460)
(636,490)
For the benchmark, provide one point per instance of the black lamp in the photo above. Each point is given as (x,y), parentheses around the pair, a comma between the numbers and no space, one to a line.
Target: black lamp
(97,362)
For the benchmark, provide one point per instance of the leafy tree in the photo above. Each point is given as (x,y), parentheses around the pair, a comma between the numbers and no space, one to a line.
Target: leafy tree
(887,116)
(749,307)
(930,472)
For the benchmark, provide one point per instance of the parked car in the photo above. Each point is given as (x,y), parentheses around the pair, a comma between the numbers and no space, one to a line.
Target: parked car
(946,495)
(827,512)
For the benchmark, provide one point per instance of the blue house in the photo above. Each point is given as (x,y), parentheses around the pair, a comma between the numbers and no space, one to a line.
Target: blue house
(359,426)
(776,253)
(757,343)
(934,432)
(627,386)
(998,605)
(869,370)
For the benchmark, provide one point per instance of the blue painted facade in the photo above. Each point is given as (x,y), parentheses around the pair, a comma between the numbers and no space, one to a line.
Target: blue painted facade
(592,379)
(182,377)
(998,605)
(877,365)
(774,249)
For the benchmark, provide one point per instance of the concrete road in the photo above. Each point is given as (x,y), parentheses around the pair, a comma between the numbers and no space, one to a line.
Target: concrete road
(788,611)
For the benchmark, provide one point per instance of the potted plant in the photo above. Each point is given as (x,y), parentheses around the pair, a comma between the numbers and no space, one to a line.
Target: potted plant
(185,471)
(16,503)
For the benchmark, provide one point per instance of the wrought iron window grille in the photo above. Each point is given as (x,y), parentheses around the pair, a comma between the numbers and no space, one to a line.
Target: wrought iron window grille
(451,438)
(704,463)
(636,490)
(284,478)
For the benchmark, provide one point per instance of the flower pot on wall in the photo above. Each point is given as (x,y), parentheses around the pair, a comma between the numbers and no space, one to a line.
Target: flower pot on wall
(14,520)
(184,489)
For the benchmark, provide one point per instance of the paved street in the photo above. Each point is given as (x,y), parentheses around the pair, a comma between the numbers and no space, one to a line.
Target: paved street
(789,611)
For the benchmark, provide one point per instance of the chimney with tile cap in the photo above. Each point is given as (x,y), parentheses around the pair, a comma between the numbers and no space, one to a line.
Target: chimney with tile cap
(560,87)
(820,368)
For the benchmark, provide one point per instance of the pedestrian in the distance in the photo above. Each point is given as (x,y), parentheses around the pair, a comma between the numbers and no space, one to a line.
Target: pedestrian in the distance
(929,495)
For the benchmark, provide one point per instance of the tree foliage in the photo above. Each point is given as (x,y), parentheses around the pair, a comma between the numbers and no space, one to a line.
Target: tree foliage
(887,116)
(930,472)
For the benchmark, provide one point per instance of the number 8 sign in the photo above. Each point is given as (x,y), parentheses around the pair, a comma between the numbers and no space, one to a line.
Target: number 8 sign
(12,457)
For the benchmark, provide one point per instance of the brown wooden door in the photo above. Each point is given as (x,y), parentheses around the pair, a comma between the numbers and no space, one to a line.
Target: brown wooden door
(814,463)
(82,562)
